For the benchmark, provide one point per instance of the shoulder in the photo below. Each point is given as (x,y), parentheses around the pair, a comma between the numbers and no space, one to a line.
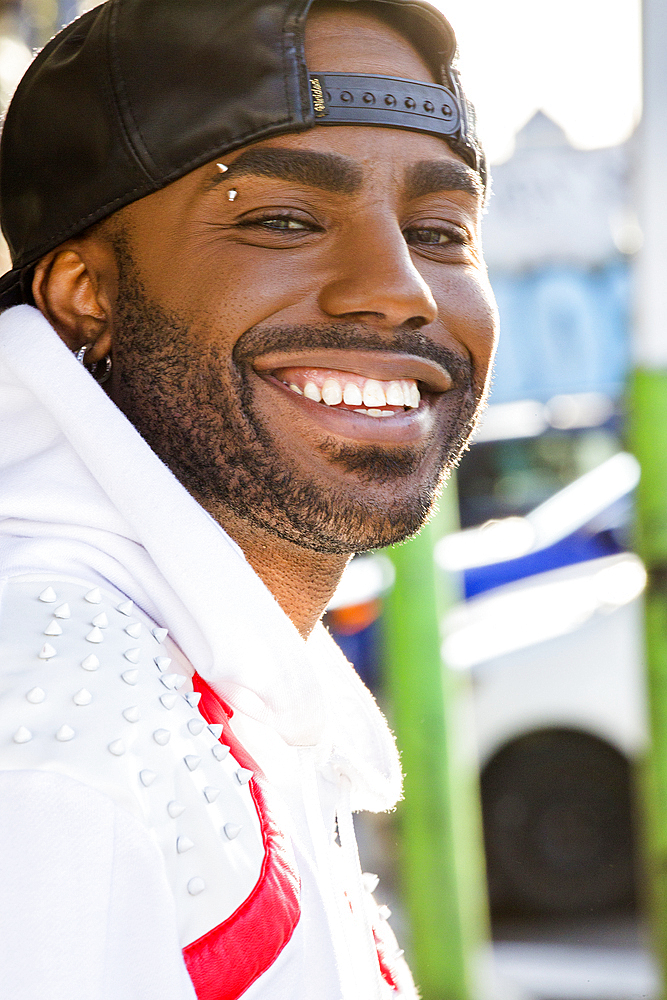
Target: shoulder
(87,692)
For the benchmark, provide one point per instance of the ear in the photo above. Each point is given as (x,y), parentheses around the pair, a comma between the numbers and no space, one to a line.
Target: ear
(69,291)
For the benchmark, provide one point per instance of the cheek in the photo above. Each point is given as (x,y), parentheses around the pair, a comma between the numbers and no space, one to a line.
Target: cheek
(467,308)
(233,291)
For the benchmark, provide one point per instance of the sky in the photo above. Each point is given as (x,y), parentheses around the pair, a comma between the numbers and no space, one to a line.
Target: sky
(577,60)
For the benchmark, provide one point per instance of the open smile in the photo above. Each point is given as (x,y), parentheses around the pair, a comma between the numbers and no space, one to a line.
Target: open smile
(352,392)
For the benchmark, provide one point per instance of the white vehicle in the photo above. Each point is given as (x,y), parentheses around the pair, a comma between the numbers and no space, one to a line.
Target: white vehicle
(558,685)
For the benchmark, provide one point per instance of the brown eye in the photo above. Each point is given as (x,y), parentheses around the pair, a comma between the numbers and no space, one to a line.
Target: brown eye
(283,224)
(429,237)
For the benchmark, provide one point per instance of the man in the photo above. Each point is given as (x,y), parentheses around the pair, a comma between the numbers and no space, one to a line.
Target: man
(262,223)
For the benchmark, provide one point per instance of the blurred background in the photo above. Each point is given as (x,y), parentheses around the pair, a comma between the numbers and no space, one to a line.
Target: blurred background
(506,643)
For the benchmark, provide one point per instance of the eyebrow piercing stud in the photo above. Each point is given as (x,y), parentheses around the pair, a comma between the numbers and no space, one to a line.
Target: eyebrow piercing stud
(232,193)
(222,167)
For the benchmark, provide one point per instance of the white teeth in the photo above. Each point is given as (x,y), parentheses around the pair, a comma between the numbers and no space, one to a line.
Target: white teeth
(395,394)
(376,413)
(311,391)
(374,394)
(352,395)
(331,392)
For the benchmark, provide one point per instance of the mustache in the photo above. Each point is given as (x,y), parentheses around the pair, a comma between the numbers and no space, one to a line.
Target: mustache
(260,340)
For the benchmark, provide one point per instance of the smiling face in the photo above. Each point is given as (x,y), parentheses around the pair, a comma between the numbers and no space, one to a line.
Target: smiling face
(305,337)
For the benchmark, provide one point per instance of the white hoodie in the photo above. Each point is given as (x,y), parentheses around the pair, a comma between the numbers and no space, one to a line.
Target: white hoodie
(85,501)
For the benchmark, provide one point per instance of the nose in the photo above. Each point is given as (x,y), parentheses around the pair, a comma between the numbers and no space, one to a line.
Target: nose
(375,278)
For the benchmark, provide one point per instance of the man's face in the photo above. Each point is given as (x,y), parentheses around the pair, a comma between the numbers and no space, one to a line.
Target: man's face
(343,262)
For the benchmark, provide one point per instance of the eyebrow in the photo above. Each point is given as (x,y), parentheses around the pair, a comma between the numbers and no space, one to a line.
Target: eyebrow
(323,170)
(432,176)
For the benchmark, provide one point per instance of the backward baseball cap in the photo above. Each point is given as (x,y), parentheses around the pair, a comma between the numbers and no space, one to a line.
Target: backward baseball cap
(136,93)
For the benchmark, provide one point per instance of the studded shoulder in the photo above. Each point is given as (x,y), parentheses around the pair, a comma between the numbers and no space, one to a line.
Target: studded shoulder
(88,690)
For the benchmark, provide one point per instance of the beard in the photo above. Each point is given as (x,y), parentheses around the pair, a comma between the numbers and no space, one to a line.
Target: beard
(194,405)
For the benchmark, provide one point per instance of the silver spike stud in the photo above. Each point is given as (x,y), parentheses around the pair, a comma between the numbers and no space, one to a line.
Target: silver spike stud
(36,696)
(175,809)
(94,596)
(160,633)
(82,697)
(162,662)
(101,620)
(95,635)
(90,663)
(22,735)
(196,885)
(47,651)
(48,596)
(147,777)
(371,881)
(132,714)
(232,830)
(130,676)
(195,726)
(211,793)
(222,167)
(126,608)
(134,629)
(173,681)
(169,700)
(220,751)
(133,655)
(232,193)
(184,844)
(216,729)
(162,737)
(193,698)
(53,628)
(65,734)
(117,748)
(192,762)
(63,611)
(243,775)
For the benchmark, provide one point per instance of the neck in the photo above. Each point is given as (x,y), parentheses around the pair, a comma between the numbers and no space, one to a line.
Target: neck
(302,581)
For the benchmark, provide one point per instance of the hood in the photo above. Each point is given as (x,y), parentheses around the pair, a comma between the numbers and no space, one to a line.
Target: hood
(84,495)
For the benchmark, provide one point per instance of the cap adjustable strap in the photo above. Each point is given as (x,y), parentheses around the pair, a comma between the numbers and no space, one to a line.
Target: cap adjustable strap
(366,99)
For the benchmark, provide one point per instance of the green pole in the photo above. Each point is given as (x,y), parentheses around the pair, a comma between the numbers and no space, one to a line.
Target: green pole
(648,414)
(649,431)
(442,867)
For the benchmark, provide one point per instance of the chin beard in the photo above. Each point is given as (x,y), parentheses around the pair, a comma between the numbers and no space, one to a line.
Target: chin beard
(194,407)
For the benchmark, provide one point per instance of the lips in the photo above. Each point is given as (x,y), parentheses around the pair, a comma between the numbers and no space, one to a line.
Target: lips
(324,383)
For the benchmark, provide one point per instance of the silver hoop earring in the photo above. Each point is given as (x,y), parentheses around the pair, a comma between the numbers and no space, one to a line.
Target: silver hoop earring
(100,376)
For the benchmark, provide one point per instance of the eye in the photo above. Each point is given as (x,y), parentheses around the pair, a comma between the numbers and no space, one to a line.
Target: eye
(287,223)
(281,223)
(433,237)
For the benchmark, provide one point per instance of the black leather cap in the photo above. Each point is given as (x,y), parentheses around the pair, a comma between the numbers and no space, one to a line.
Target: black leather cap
(136,93)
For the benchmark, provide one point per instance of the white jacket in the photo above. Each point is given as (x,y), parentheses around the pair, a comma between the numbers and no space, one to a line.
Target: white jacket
(132,840)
